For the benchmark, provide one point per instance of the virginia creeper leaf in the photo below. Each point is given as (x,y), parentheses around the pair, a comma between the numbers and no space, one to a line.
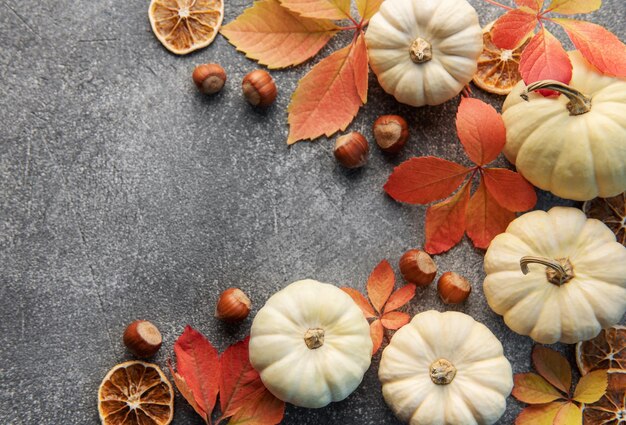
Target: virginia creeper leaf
(513,28)
(425,179)
(591,386)
(361,301)
(541,414)
(600,47)
(572,7)
(445,222)
(367,8)
(400,297)
(265,410)
(360,66)
(376,333)
(545,59)
(485,217)
(395,320)
(480,129)
(327,97)
(197,361)
(553,367)
(509,189)
(277,37)
(535,5)
(380,284)
(569,414)
(533,389)
(186,392)
(321,9)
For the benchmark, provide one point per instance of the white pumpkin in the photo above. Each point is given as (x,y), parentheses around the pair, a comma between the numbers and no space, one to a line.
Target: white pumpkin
(311,344)
(573,145)
(424,51)
(445,369)
(576,280)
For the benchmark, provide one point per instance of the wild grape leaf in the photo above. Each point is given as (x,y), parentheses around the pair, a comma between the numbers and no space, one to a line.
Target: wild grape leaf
(400,297)
(485,218)
(533,389)
(376,333)
(513,28)
(591,387)
(380,285)
(569,414)
(535,5)
(573,7)
(368,8)
(481,130)
(360,66)
(425,179)
(509,189)
(361,301)
(277,37)
(540,414)
(395,320)
(544,58)
(321,9)
(600,47)
(445,222)
(553,367)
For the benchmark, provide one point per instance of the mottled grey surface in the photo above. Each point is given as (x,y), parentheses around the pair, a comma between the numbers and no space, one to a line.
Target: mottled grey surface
(125,194)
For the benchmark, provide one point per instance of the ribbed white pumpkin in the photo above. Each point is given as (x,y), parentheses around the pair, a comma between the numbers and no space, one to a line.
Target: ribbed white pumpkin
(424,51)
(311,344)
(567,306)
(445,369)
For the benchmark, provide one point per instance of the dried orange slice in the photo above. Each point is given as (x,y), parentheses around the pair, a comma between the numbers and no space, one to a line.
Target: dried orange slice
(498,70)
(611,408)
(183,26)
(606,351)
(136,393)
(612,212)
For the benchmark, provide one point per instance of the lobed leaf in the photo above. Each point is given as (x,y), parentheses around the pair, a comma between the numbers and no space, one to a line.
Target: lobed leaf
(321,9)
(425,179)
(277,37)
(509,189)
(380,284)
(395,320)
(535,5)
(545,59)
(540,414)
(513,28)
(569,414)
(376,333)
(572,7)
(361,301)
(368,8)
(553,367)
(445,222)
(481,130)
(533,389)
(400,297)
(591,387)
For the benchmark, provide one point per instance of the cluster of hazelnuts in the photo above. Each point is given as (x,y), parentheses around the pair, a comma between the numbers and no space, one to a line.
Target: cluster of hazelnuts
(258,86)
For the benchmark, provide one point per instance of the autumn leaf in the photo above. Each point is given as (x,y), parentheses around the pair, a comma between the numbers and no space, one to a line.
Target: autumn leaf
(367,8)
(535,5)
(533,389)
(591,386)
(568,414)
(376,333)
(500,183)
(539,414)
(323,9)
(395,320)
(544,58)
(400,297)
(186,392)
(277,37)
(445,222)
(573,7)
(361,301)
(380,285)
(553,367)
(513,28)
(360,66)
(481,130)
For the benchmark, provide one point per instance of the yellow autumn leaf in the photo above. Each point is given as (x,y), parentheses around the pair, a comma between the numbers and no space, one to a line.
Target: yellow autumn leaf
(322,9)
(569,414)
(367,8)
(542,414)
(572,7)
(591,387)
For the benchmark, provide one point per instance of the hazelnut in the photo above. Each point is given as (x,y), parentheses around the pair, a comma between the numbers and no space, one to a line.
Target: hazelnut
(142,338)
(418,267)
(351,150)
(453,288)
(391,133)
(209,78)
(233,305)
(259,88)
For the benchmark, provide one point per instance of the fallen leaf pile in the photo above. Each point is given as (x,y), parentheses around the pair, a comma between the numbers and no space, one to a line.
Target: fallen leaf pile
(490,209)
(383,304)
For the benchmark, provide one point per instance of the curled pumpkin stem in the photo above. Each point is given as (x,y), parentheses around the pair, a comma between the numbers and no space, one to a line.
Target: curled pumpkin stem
(578,103)
(558,271)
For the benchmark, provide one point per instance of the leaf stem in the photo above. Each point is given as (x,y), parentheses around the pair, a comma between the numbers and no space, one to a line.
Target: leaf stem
(495,3)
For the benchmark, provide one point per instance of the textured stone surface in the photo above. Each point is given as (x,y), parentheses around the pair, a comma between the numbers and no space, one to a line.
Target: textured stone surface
(125,194)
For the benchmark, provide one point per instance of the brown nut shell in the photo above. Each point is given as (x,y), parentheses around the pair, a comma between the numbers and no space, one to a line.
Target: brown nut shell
(209,78)
(233,305)
(259,88)
(453,288)
(142,338)
(351,150)
(418,267)
(391,133)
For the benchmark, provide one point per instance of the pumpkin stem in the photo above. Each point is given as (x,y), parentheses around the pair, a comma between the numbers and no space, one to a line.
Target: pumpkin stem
(314,338)
(420,50)
(442,372)
(558,272)
(578,103)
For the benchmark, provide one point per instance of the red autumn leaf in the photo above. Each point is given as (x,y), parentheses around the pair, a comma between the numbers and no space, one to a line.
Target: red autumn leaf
(197,362)
(533,389)
(322,9)
(242,393)
(553,367)
(509,189)
(361,301)
(394,320)
(544,58)
(376,332)
(277,37)
(328,97)
(600,47)
(186,392)
(481,130)
(367,8)
(485,218)
(573,7)
(360,66)
(380,284)
(513,28)
(445,222)
(400,297)
(540,414)
(425,179)
(568,414)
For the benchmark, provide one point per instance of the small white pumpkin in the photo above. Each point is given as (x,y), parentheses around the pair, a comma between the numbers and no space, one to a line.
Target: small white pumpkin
(424,51)
(573,145)
(311,344)
(445,369)
(556,276)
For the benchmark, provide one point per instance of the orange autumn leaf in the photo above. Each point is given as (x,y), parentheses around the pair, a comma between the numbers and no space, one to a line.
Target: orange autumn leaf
(360,66)
(400,297)
(533,389)
(321,9)
(376,333)
(544,58)
(395,320)
(277,37)
(187,393)
(539,414)
(361,301)
(500,183)
(380,285)
(513,28)
(445,222)
(535,5)
(367,8)
(481,130)
(568,414)
(573,7)
(553,367)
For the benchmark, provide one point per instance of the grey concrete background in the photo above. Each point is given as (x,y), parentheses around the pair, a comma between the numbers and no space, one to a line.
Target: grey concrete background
(125,194)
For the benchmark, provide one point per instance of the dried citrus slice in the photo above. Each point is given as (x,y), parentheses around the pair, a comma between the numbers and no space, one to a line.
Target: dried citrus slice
(498,69)
(136,393)
(183,26)
(612,212)
(606,351)
(611,408)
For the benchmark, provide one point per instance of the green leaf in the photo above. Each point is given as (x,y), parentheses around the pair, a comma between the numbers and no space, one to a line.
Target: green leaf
(591,387)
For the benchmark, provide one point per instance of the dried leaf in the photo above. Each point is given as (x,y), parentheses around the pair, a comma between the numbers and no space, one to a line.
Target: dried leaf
(197,362)
(485,218)
(376,333)
(400,297)
(327,97)
(541,414)
(277,37)
(265,410)
(513,28)
(533,389)
(600,47)
(361,301)
(509,189)
(360,66)
(569,414)
(481,130)
(321,9)
(425,179)
(367,8)
(380,284)
(186,392)
(545,59)
(535,5)
(572,7)
(395,320)
(591,387)
(553,367)
(445,222)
